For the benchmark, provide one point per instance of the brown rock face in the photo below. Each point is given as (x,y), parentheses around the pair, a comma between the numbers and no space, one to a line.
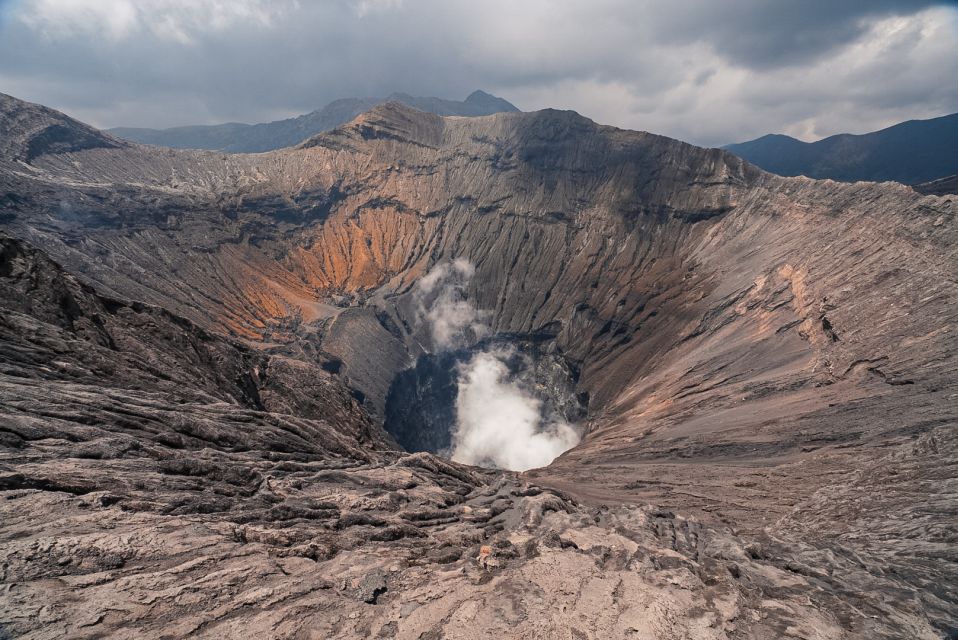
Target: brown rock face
(770,361)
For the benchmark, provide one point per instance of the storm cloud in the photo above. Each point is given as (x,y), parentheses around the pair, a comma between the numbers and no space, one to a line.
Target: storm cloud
(698,70)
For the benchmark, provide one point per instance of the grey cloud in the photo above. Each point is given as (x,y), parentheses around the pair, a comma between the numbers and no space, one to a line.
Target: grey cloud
(762,34)
(695,69)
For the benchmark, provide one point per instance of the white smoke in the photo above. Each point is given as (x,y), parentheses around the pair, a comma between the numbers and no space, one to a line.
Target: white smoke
(498,423)
(453,320)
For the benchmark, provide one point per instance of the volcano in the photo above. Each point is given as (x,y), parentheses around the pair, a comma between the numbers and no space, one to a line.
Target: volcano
(224,410)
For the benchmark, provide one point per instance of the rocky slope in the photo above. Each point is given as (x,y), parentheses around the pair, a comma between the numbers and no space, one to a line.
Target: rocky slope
(161,482)
(235,137)
(772,358)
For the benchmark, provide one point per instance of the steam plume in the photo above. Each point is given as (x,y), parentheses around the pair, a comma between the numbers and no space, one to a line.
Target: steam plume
(498,423)
(453,320)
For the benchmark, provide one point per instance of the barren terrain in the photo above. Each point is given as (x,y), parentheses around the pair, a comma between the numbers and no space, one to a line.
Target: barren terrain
(197,349)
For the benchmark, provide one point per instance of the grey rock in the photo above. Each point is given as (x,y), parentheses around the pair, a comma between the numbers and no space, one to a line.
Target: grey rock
(372,586)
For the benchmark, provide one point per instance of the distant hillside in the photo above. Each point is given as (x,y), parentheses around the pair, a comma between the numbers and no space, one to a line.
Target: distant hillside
(236,137)
(911,152)
(940,187)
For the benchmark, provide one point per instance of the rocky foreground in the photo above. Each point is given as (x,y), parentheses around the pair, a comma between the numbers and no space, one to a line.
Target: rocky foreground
(196,351)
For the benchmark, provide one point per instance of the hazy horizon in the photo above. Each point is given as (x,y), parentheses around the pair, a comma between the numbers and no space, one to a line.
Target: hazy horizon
(692,70)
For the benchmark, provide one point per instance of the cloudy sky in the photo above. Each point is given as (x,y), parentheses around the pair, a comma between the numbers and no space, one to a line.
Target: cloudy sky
(704,71)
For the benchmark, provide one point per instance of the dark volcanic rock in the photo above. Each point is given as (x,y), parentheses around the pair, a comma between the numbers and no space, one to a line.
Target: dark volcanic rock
(372,586)
(196,367)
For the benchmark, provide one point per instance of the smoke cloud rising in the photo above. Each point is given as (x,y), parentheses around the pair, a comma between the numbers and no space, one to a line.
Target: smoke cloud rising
(453,320)
(498,422)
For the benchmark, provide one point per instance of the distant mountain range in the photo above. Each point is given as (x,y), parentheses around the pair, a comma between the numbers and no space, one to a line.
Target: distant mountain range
(239,138)
(912,152)
(939,187)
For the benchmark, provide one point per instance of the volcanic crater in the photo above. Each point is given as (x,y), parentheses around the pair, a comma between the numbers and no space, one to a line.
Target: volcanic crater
(225,380)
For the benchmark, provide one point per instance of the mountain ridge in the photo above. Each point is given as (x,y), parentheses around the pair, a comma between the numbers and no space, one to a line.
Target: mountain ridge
(910,152)
(253,138)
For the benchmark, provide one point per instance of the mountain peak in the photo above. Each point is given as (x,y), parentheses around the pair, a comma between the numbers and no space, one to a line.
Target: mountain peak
(480,97)
(478,94)
(392,120)
(32,130)
(287,133)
